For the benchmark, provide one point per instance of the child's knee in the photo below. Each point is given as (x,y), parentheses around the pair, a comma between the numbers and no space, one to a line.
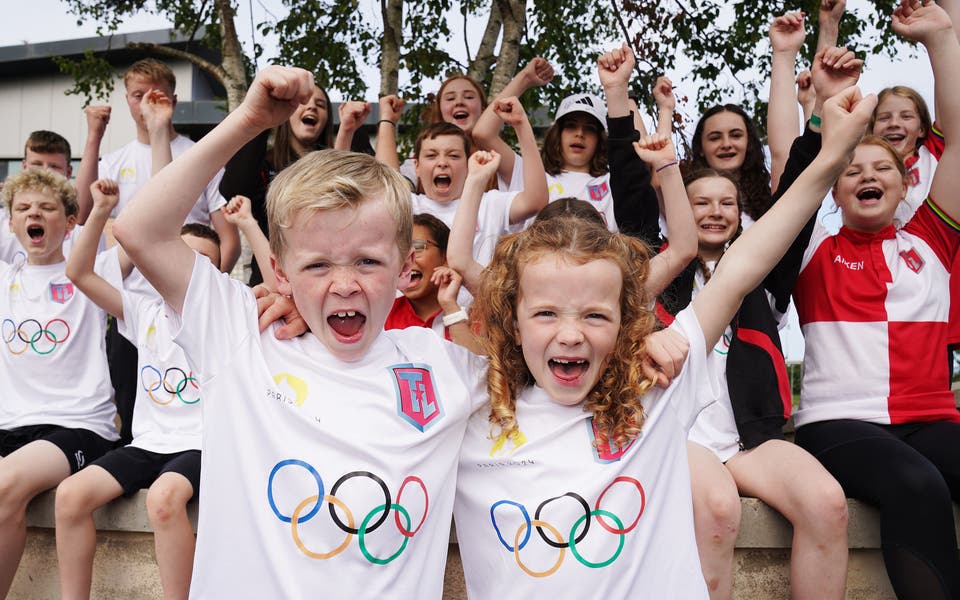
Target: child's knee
(167,499)
(719,511)
(72,500)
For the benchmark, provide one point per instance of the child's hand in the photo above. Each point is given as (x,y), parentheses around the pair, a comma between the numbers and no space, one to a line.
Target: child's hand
(97,119)
(353,113)
(666,351)
(831,11)
(156,110)
(273,96)
(537,73)
(787,32)
(510,111)
(663,95)
(616,66)
(448,283)
(483,164)
(845,118)
(834,70)
(238,211)
(272,307)
(920,21)
(106,194)
(656,150)
(391,108)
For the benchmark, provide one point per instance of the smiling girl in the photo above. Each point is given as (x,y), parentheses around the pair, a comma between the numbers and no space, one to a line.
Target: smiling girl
(576,478)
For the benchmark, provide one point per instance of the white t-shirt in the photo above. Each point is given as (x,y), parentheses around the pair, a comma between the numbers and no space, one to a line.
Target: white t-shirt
(716,425)
(132,166)
(292,434)
(166,414)
(54,359)
(556,477)
(573,184)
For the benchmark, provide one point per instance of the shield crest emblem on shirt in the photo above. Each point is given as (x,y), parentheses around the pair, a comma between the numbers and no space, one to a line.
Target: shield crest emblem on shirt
(417,401)
(608,452)
(61,292)
(913,259)
(599,191)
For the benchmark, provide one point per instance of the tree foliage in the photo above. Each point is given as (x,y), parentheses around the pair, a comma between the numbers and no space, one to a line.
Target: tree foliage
(721,44)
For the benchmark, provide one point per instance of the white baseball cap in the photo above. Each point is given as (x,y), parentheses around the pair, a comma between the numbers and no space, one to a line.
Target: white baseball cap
(585,103)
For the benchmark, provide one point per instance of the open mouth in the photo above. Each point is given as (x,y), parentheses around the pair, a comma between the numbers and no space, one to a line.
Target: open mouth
(568,370)
(309,119)
(415,277)
(727,155)
(35,232)
(894,138)
(461,115)
(720,227)
(346,324)
(442,183)
(577,146)
(869,195)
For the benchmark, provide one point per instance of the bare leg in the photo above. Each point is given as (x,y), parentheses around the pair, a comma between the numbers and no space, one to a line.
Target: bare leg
(173,535)
(789,479)
(716,514)
(36,467)
(78,496)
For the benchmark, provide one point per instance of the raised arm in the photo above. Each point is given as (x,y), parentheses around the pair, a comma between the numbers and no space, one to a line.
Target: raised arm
(391,109)
(97,119)
(80,266)
(635,205)
(353,114)
(486,132)
(238,212)
(748,260)
(157,112)
(786,38)
(149,227)
(658,152)
(534,196)
(930,25)
(828,19)
(480,168)
(666,105)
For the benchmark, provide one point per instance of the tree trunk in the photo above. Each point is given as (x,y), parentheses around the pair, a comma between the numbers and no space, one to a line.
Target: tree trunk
(392,12)
(514,17)
(235,76)
(480,66)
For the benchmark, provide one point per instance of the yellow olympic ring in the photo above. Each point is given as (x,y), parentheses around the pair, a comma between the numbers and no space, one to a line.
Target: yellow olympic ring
(516,548)
(295,518)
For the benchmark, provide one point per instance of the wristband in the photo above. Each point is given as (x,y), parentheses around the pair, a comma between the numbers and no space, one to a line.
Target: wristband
(454,318)
(669,164)
(386,121)
(815,121)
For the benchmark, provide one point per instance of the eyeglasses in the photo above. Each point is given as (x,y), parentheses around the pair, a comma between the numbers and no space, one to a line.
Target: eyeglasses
(420,245)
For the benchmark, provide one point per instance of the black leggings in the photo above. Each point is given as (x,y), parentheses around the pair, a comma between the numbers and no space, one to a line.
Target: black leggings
(910,472)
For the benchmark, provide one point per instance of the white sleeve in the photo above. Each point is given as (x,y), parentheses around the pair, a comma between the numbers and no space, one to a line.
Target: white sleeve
(516,177)
(211,196)
(219,314)
(698,384)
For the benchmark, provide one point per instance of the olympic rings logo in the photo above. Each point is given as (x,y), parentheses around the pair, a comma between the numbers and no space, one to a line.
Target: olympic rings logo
(577,532)
(42,339)
(310,507)
(151,381)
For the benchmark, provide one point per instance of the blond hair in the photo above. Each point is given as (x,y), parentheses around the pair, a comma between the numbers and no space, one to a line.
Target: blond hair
(615,399)
(153,70)
(44,181)
(334,179)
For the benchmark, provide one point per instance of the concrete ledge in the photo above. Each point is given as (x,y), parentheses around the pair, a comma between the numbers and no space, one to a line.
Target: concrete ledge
(125,567)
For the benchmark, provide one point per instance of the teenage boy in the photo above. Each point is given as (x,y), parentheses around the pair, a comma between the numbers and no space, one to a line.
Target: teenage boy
(329,460)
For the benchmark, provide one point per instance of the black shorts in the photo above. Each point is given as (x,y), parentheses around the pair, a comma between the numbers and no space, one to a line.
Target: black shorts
(136,469)
(80,446)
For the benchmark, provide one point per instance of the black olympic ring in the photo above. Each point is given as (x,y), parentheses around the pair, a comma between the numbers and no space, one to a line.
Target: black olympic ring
(386,495)
(579,538)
